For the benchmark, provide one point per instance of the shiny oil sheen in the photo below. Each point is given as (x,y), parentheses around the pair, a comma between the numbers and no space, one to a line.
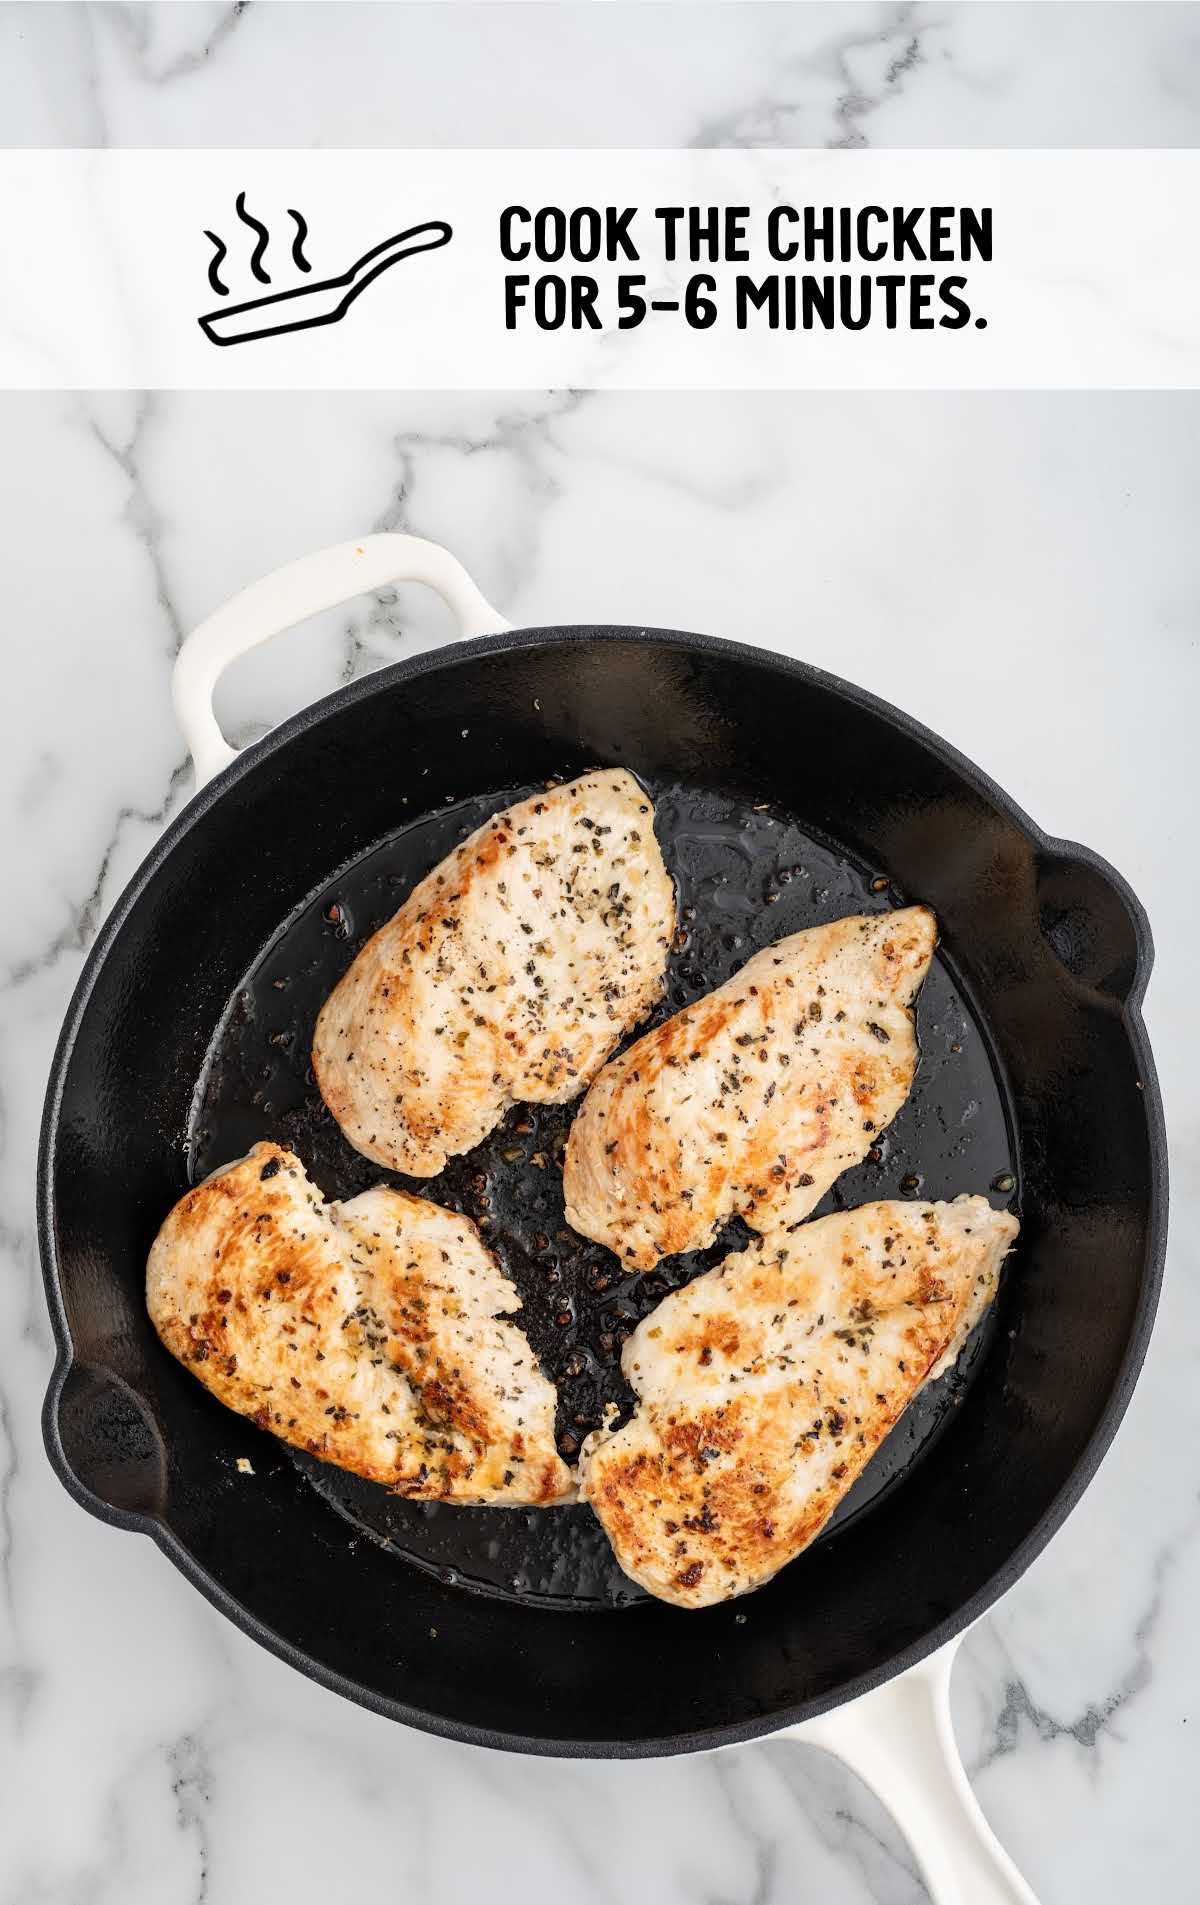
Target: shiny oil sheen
(745,873)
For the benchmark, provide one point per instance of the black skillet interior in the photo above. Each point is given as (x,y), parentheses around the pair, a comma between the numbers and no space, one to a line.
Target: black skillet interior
(744,874)
(783,798)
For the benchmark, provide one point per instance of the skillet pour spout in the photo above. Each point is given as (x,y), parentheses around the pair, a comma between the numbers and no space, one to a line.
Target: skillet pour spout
(1094,923)
(106,1446)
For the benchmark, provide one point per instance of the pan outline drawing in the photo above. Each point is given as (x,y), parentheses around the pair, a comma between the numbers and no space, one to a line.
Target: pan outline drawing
(431,235)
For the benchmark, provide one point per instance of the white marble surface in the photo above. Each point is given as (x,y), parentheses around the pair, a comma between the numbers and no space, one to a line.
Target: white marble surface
(1019,572)
(629,73)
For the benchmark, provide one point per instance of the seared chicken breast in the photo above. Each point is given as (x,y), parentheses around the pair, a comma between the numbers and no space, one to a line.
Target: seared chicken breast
(364,1332)
(767,1384)
(509,974)
(754,1099)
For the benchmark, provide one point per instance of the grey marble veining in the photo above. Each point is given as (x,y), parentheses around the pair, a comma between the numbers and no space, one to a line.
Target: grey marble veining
(630,73)
(1017,571)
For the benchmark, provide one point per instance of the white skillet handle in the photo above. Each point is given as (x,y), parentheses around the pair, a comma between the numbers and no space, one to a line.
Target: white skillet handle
(900,1740)
(291,595)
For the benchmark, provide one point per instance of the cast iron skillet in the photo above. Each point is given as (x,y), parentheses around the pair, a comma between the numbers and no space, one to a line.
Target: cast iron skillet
(180,1047)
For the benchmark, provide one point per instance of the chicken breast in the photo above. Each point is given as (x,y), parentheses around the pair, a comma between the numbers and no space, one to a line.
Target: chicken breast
(363,1332)
(509,974)
(766,1385)
(754,1099)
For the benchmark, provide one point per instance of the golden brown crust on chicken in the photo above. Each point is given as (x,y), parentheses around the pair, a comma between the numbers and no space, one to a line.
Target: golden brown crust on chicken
(754,1099)
(508,975)
(363,1332)
(767,1384)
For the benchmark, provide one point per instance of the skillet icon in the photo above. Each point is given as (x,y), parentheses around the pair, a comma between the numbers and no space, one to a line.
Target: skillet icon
(307,305)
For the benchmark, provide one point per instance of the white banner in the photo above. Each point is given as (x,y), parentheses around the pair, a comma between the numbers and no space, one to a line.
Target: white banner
(607,270)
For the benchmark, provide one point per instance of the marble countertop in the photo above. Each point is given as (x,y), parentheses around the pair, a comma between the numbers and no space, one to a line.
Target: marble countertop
(1018,571)
(623,73)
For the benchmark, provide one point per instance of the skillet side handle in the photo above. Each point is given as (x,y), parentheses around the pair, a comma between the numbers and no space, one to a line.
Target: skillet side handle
(290,595)
(900,1740)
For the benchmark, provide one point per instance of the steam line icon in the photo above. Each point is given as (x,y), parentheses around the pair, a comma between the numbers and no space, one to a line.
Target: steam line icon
(307,305)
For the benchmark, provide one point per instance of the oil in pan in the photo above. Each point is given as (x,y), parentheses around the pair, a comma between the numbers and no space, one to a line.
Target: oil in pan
(745,875)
